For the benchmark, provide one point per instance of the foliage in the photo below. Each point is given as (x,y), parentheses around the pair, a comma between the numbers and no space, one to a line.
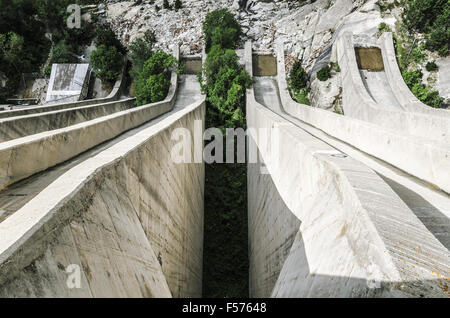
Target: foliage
(141,50)
(433,18)
(225,86)
(153,82)
(221,28)
(107,62)
(427,96)
(301,96)
(424,93)
(62,53)
(166,5)
(432,66)
(178,4)
(324,74)
(383,27)
(107,37)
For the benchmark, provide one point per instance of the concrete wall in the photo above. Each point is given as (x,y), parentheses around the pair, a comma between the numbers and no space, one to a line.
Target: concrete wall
(130,217)
(21,126)
(426,160)
(114,95)
(401,91)
(358,104)
(357,238)
(47,149)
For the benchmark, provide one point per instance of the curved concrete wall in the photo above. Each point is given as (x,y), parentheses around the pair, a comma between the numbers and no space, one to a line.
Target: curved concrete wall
(401,91)
(130,219)
(358,104)
(114,95)
(47,149)
(420,157)
(21,126)
(357,238)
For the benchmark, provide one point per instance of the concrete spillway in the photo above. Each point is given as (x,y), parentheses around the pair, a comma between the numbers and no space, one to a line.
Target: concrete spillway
(117,209)
(305,241)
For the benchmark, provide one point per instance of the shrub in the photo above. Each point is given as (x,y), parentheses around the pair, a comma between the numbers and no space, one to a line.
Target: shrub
(140,51)
(431,17)
(166,5)
(412,77)
(62,53)
(298,78)
(431,66)
(418,55)
(225,86)
(48,70)
(220,27)
(153,82)
(107,37)
(301,96)
(324,74)
(107,63)
(383,27)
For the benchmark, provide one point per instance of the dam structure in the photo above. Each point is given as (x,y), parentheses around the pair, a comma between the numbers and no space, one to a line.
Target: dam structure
(97,192)
(353,205)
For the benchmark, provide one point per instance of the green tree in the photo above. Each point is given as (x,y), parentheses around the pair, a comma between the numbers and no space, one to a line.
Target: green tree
(221,27)
(107,63)
(298,78)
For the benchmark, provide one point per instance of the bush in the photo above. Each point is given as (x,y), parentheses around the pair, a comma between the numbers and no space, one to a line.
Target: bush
(298,78)
(62,53)
(107,63)
(220,27)
(153,82)
(107,37)
(427,96)
(324,74)
(431,66)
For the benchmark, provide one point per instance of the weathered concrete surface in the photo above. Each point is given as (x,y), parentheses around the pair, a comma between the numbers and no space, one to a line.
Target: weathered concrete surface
(357,238)
(129,216)
(358,103)
(114,95)
(272,229)
(426,160)
(47,149)
(21,126)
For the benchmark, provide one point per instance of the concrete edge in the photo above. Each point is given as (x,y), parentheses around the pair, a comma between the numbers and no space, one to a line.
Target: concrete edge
(391,146)
(45,213)
(57,146)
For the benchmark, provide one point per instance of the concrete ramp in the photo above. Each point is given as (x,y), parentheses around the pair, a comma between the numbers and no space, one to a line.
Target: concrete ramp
(324,224)
(110,216)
